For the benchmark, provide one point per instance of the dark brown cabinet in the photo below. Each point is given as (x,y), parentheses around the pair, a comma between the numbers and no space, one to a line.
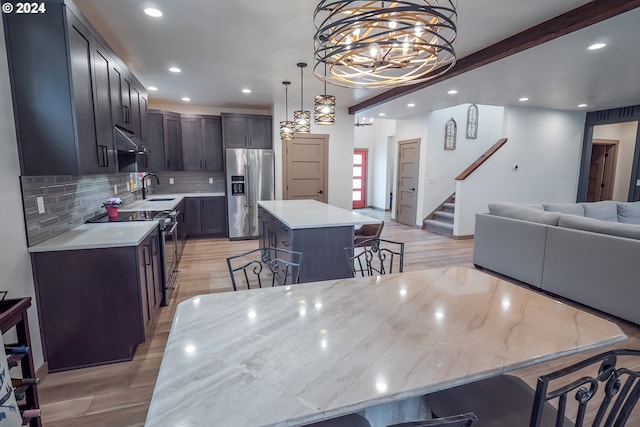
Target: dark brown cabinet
(68,93)
(247,131)
(172,141)
(95,305)
(201,143)
(155,141)
(206,216)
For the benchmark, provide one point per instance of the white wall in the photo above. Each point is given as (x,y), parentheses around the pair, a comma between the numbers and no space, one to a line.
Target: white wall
(626,134)
(375,139)
(340,154)
(546,146)
(15,263)
(439,167)
(442,166)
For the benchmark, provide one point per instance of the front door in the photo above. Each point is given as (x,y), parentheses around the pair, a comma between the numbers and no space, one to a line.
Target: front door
(359,178)
(408,166)
(305,167)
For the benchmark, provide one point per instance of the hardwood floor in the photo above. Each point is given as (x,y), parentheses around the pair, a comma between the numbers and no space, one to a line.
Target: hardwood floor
(119,394)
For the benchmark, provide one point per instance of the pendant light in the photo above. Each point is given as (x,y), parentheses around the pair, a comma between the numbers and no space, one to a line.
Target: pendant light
(324,106)
(378,44)
(302,117)
(286,125)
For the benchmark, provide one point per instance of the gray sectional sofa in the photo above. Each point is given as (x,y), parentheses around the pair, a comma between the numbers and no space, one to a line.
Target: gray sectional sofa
(586,252)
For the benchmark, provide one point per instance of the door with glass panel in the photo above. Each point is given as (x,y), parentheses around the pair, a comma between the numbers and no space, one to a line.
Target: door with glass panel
(359,178)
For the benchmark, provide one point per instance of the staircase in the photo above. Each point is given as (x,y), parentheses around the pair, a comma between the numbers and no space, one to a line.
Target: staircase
(441,220)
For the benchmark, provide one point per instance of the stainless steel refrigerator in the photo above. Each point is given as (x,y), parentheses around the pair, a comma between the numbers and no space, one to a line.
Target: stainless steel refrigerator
(250,178)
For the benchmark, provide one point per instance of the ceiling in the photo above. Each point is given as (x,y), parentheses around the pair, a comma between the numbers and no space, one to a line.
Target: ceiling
(223,47)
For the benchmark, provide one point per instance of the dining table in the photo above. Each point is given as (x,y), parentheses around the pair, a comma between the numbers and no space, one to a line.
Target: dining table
(295,355)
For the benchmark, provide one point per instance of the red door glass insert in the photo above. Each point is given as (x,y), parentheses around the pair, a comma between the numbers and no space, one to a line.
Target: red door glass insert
(359,178)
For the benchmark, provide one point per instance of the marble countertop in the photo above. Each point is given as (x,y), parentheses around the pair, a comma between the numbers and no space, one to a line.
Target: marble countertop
(289,356)
(99,235)
(313,214)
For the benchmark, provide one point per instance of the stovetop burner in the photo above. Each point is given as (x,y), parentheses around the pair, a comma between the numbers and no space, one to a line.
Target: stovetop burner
(133,216)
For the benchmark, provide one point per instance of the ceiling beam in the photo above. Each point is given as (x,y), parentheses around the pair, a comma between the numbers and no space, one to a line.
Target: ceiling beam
(574,20)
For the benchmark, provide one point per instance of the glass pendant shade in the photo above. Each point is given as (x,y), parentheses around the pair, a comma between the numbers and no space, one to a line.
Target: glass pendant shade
(286,125)
(324,109)
(378,44)
(286,130)
(302,121)
(302,117)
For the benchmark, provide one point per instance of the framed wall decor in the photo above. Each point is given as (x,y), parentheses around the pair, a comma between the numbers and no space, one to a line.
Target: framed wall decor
(472,122)
(450,130)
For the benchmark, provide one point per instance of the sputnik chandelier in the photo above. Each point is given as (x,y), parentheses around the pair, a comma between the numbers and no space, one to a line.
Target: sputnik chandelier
(378,44)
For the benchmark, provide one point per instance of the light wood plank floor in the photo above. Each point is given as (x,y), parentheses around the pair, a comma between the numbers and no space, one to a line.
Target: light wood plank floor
(119,394)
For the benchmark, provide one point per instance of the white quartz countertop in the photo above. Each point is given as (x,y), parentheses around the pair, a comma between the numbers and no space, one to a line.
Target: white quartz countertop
(289,356)
(313,214)
(159,202)
(98,235)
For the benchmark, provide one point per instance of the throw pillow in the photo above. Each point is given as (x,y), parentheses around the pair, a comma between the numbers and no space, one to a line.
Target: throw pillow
(630,231)
(565,208)
(604,211)
(524,213)
(629,212)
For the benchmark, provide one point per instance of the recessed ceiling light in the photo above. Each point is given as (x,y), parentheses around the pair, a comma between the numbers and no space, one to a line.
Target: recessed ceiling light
(153,12)
(382,114)
(175,69)
(246,90)
(523,99)
(186,99)
(152,88)
(597,46)
(582,105)
(452,92)
(411,105)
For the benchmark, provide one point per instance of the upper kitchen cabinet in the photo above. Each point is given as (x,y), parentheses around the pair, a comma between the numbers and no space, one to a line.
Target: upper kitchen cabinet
(201,143)
(247,131)
(165,141)
(61,75)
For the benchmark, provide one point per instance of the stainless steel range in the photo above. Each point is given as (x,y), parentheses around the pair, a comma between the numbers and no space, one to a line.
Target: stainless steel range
(168,224)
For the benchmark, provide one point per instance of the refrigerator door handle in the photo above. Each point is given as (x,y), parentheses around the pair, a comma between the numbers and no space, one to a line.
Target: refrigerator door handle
(247,186)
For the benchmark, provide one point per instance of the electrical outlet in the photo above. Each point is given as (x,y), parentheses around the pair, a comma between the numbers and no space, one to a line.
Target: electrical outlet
(40,203)
(171,181)
(432,180)
(210,180)
(115,188)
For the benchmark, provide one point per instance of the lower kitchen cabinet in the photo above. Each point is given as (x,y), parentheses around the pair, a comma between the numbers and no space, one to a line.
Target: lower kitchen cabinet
(206,216)
(96,305)
(322,247)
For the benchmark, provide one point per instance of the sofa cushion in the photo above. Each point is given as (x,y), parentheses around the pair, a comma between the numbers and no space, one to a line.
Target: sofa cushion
(629,212)
(604,211)
(629,231)
(566,208)
(525,213)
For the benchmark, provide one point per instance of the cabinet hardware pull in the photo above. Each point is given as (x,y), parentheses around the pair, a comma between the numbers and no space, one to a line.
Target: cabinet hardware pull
(205,164)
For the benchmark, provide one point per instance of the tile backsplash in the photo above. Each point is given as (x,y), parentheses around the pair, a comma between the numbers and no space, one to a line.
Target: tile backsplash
(70,201)
(190,182)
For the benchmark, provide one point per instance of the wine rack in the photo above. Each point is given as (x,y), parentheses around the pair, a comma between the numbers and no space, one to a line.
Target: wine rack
(13,312)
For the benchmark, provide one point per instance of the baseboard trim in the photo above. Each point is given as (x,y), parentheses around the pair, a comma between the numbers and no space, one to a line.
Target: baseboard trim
(465,237)
(42,371)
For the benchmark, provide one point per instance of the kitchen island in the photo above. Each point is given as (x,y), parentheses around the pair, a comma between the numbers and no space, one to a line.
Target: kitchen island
(293,355)
(318,230)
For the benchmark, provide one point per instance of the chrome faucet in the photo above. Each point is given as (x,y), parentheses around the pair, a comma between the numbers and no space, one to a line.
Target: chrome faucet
(144,179)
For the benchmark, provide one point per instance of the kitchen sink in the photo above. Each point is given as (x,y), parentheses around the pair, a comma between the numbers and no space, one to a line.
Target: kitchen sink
(161,199)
